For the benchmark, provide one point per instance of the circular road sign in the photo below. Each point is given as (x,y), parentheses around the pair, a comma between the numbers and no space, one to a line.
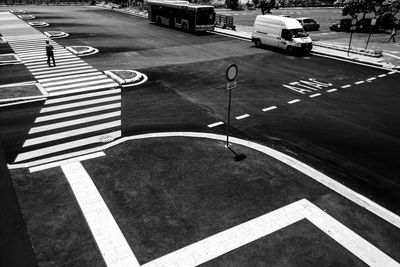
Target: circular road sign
(231,72)
(353,21)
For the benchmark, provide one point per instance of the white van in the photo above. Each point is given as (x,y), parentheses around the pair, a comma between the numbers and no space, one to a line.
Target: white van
(284,33)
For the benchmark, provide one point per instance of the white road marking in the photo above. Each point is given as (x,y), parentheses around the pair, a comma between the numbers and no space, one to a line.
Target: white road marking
(81,104)
(68,80)
(77,112)
(75,85)
(53,69)
(314,95)
(84,89)
(392,72)
(64,74)
(45,59)
(69,123)
(41,63)
(81,96)
(382,75)
(242,116)
(60,71)
(242,234)
(62,162)
(109,238)
(215,124)
(293,101)
(269,108)
(63,146)
(345,86)
(359,82)
(45,80)
(66,134)
(331,90)
(371,79)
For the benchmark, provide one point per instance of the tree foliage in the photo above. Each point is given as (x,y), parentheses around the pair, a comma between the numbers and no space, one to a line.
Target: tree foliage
(266,6)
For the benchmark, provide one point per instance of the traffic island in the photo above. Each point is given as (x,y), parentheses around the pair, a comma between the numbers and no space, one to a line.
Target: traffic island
(9,59)
(17,11)
(38,24)
(82,50)
(56,34)
(126,78)
(18,93)
(359,51)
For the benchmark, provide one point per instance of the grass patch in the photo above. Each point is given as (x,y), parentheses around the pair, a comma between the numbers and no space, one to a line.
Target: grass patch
(125,74)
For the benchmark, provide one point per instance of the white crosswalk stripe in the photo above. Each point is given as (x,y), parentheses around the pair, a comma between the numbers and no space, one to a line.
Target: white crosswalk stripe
(84,105)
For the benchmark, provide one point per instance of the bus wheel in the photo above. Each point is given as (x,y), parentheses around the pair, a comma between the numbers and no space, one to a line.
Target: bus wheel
(289,50)
(257,42)
(184,27)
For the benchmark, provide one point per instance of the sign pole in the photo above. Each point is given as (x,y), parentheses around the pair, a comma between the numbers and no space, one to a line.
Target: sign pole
(352,28)
(229,118)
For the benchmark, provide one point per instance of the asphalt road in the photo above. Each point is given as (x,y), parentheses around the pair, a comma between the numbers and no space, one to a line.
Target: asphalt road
(351,134)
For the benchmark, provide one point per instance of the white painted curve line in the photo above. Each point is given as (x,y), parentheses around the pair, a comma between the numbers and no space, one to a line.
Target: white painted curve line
(60,125)
(293,101)
(111,242)
(314,95)
(62,162)
(215,124)
(346,86)
(382,75)
(81,104)
(359,82)
(331,90)
(77,112)
(242,116)
(245,233)
(269,108)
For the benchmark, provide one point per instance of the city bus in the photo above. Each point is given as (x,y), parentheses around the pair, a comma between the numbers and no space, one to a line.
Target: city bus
(182,15)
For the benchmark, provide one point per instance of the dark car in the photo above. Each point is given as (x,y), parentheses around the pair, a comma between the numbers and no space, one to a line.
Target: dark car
(308,24)
(341,25)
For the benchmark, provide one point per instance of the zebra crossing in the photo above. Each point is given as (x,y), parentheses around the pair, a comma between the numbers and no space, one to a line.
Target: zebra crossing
(84,105)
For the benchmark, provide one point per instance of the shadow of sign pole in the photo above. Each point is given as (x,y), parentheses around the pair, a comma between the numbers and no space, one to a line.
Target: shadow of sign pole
(231,74)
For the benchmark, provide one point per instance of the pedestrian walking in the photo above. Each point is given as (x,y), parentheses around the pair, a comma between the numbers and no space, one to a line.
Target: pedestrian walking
(50,53)
(393,34)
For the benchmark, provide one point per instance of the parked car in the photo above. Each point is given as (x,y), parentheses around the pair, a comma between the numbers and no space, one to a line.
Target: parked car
(341,25)
(308,24)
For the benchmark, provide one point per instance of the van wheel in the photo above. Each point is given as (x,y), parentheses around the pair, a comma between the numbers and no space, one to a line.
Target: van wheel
(289,50)
(257,42)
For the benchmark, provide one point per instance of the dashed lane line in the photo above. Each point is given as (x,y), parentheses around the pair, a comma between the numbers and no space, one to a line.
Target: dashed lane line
(346,86)
(293,101)
(69,123)
(215,124)
(242,116)
(382,75)
(70,133)
(392,72)
(77,112)
(314,95)
(371,79)
(269,108)
(331,90)
(359,82)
